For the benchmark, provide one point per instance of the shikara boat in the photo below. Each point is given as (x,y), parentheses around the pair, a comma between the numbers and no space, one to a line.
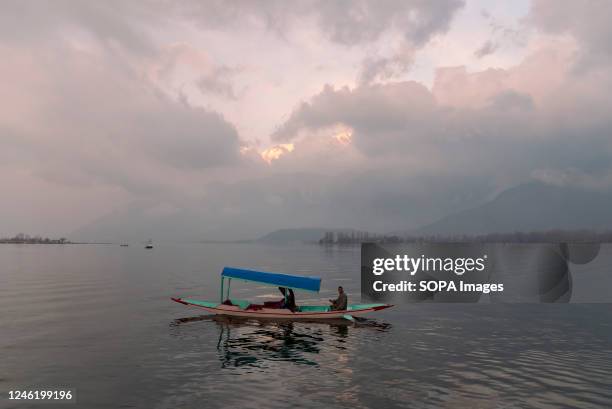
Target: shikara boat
(242,308)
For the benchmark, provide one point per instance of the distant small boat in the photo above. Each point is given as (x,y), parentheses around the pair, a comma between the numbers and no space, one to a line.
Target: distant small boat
(243,308)
(149,244)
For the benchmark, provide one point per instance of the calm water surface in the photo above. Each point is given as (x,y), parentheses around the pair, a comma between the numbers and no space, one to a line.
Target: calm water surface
(98,319)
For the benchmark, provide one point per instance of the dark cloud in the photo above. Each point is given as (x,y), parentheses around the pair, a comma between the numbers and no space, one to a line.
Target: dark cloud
(417,22)
(100,123)
(587,21)
(113,23)
(189,138)
(350,22)
(487,48)
(131,24)
(385,68)
(347,22)
(218,82)
(379,114)
(509,100)
(472,136)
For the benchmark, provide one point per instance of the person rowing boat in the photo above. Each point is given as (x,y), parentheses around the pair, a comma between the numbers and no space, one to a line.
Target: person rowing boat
(340,303)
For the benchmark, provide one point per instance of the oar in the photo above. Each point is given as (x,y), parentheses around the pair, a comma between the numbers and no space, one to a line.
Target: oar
(349,317)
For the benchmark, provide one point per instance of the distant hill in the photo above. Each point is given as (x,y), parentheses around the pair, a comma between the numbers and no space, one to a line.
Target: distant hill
(530,207)
(229,212)
(137,222)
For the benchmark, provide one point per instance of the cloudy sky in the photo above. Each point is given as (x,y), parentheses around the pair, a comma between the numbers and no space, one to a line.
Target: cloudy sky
(247,116)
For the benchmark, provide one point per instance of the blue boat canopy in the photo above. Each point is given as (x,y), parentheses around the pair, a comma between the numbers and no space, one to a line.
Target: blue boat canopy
(275,279)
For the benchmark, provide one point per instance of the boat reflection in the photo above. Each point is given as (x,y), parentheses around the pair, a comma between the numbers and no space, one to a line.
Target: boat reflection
(250,344)
(268,342)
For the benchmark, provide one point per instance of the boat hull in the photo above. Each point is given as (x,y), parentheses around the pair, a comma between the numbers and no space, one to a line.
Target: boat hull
(273,313)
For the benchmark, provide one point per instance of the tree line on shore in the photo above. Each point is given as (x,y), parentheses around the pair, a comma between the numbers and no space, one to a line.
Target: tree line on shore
(22,238)
(560,236)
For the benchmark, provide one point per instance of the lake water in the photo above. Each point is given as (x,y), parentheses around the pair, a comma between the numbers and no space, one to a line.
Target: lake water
(98,319)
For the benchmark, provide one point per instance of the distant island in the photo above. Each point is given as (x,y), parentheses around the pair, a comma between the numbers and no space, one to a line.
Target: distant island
(22,238)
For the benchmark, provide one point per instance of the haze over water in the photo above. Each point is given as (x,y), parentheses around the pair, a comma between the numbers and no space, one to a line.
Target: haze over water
(99,319)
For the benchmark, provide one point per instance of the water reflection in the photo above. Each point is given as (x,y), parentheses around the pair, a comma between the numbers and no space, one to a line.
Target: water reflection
(263,344)
(269,342)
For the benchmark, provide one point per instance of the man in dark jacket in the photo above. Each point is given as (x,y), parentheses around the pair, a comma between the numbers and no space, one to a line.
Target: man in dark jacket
(290,300)
(340,303)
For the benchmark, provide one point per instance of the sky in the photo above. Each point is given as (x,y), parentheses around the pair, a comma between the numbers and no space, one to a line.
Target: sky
(228,119)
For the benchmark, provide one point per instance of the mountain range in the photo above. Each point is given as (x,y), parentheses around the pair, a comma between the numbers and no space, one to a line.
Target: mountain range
(524,208)
(530,207)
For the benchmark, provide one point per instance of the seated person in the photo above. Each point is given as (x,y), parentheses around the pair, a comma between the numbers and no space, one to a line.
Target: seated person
(340,303)
(288,300)
(277,304)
